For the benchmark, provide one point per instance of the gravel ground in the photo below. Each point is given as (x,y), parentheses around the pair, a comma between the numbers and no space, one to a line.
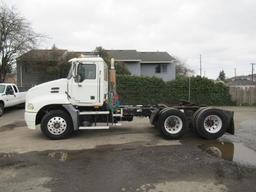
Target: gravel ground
(132,157)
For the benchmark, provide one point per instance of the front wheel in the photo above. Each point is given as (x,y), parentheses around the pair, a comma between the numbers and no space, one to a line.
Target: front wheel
(57,124)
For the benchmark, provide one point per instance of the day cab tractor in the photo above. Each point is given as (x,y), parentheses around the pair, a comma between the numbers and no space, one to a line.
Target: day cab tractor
(87,99)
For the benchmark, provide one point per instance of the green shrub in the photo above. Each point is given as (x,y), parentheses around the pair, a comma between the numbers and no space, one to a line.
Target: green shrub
(151,90)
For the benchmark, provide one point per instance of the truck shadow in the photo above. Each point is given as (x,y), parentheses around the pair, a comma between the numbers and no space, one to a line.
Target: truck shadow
(10,110)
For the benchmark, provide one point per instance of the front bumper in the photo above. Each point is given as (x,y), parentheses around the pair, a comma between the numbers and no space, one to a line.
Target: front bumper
(30,119)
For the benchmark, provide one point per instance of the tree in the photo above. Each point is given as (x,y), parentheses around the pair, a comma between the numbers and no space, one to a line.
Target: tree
(181,68)
(16,37)
(222,76)
(120,67)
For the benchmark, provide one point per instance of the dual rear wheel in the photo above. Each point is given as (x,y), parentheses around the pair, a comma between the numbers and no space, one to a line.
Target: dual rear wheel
(209,123)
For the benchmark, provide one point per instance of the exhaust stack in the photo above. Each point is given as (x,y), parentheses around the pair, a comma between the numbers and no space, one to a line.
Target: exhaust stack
(112,76)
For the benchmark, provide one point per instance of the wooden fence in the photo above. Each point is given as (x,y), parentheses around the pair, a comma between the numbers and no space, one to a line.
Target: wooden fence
(245,95)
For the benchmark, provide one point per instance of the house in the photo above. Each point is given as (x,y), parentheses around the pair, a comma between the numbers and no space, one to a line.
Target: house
(34,67)
(241,83)
(158,64)
(243,77)
(10,78)
(41,65)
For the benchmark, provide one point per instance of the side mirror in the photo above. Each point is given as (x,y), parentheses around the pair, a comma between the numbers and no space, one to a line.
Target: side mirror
(77,78)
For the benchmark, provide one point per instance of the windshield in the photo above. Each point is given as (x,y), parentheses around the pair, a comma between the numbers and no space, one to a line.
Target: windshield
(2,88)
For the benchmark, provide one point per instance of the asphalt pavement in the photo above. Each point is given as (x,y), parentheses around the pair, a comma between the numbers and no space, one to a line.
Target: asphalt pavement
(132,157)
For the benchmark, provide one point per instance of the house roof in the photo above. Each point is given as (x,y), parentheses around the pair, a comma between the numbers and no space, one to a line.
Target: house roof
(241,82)
(42,55)
(144,57)
(124,54)
(155,56)
(46,55)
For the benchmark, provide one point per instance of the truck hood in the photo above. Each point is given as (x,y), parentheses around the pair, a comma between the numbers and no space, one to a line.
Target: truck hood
(52,87)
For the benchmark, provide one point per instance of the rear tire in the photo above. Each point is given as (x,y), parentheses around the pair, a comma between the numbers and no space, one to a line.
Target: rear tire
(1,109)
(172,124)
(195,115)
(211,123)
(57,124)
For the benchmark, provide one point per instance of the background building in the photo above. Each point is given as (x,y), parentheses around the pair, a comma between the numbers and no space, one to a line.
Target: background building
(158,64)
(41,65)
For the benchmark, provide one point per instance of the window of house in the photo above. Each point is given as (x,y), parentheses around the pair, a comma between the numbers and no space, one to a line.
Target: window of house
(164,68)
(158,68)
(86,71)
(161,68)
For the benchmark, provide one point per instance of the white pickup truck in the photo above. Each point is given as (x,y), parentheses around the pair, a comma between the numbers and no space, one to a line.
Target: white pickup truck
(10,96)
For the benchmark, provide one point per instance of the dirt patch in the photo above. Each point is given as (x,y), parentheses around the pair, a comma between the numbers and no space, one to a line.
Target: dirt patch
(12,126)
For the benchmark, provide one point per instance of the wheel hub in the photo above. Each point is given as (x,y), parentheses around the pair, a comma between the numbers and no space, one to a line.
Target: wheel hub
(212,124)
(209,122)
(173,124)
(57,125)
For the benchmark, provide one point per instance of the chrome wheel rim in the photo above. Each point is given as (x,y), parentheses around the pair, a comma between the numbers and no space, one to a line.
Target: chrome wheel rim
(212,124)
(173,124)
(57,125)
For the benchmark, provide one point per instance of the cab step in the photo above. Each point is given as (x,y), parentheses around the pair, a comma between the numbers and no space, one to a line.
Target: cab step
(93,127)
(93,112)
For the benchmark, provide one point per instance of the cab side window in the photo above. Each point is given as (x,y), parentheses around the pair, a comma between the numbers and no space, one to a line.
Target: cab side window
(87,71)
(9,90)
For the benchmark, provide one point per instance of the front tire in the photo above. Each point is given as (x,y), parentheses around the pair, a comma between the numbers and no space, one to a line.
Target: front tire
(57,124)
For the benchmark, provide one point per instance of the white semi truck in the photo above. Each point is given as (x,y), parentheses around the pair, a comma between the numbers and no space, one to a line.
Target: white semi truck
(86,99)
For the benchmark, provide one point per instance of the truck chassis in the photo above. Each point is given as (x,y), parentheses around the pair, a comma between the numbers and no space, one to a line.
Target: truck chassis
(171,121)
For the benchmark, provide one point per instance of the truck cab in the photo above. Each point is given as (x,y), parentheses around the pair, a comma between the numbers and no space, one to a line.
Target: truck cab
(87,82)
(84,89)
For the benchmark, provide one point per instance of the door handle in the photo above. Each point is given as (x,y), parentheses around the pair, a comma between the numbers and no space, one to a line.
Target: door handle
(79,85)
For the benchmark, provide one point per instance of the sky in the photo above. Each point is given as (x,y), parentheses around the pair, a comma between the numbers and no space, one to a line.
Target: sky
(222,31)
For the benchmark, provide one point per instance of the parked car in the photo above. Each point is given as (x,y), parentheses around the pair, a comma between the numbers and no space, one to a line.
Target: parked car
(10,96)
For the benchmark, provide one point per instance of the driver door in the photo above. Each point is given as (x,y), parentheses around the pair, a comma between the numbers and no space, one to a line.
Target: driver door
(85,88)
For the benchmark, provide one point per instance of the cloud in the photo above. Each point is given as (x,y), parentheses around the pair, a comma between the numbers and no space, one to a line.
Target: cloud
(222,31)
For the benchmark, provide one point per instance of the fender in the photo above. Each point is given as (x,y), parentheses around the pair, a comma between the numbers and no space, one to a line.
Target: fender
(50,99)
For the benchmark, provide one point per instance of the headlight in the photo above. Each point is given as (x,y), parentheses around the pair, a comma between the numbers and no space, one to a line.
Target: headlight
(30,107)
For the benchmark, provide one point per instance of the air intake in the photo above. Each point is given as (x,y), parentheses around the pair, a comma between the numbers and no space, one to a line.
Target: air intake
(55,90)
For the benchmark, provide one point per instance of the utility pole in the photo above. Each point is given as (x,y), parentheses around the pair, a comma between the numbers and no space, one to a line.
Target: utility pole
(235,73)
(252,69)
(200,65)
